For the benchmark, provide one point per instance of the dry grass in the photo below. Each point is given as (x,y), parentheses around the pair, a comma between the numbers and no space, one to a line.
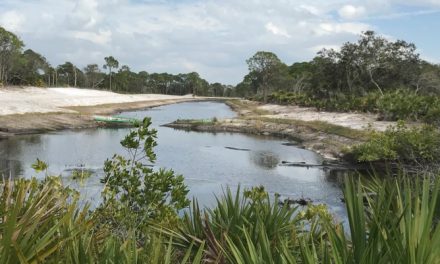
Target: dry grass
(318,126)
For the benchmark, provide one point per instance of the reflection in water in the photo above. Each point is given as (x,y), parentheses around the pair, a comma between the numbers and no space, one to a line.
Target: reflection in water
(9,168)
(264,159)
(336,176)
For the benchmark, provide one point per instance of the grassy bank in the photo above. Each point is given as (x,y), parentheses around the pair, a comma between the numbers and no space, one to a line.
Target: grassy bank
(320,126)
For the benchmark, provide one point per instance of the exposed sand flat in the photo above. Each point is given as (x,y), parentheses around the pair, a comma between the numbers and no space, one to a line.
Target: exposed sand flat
(49,100)
(352,120)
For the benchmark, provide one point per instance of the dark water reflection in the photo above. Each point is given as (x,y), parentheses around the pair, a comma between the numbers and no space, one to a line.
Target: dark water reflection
(203,158)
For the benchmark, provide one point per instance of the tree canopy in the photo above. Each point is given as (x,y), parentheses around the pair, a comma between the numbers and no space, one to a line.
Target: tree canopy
(372,64)
(10,49)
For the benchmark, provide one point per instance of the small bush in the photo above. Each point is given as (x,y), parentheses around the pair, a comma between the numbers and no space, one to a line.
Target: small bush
(135,195)
(401,143)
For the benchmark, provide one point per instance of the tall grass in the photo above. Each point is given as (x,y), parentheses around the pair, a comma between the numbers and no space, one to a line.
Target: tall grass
(390,221)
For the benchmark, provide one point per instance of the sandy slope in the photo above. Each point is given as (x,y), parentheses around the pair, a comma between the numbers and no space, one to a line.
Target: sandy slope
(46,100)
(351,120)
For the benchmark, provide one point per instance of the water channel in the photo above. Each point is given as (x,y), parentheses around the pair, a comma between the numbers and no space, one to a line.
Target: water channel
(209,161)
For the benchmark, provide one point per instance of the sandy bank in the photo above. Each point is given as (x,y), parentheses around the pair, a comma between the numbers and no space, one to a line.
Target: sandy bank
(360,121)
(50,100)
(36,110)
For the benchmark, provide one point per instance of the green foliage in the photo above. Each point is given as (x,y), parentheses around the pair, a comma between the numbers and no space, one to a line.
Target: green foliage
(194,123)
(37,221)
(320,126)
(338,102)
(407,105)
(43,224)
(42,221)
(10,49)
(401,104)
(269,71)
(110,63)
(247,228)
(371,75)
(134,193)
(392,220)
(80,175)
(401,143)
(39,166)
(397,224)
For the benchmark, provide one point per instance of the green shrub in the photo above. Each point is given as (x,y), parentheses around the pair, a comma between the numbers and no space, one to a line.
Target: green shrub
(134,193)
(400,104)
(401,143)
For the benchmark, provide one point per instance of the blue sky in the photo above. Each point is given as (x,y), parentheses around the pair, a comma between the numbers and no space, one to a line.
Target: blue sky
(212,37)
(417,28)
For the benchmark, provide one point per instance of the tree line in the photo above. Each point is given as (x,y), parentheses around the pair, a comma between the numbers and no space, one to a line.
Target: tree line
(27,67)
(373,65)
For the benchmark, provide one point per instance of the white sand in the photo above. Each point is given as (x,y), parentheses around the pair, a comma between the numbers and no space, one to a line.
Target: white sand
(351,120)
(45,100)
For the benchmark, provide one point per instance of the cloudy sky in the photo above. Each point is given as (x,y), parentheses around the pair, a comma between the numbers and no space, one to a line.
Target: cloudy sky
(212,37)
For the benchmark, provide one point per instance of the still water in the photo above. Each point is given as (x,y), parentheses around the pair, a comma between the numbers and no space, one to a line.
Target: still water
(205,159)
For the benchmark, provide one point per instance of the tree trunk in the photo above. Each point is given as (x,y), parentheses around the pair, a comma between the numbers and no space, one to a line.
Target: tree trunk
(374,82)
(74,71)
(110,76)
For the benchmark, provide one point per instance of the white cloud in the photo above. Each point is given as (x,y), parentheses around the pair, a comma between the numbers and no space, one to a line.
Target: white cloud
(85,14)
(317,48)
(211,37)
(329,28)
(12,20)
(276,30)
(351,12)
(103,37)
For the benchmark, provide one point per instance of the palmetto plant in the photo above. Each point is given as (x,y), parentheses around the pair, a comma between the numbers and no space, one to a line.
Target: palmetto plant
(390,221)
(36,221)
(395,225)
(42,223)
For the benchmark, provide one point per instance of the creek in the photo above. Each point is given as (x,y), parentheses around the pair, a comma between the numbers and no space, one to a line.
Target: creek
(209,161)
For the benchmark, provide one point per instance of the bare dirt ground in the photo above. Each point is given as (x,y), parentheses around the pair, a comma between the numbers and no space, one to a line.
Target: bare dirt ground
(360,121)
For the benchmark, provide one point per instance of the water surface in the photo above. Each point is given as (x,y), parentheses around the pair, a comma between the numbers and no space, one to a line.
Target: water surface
(208,161)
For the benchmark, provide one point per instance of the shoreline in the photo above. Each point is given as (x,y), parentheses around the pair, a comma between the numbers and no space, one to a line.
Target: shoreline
(71,108)
(329,146)
(328,139)
(76,117)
